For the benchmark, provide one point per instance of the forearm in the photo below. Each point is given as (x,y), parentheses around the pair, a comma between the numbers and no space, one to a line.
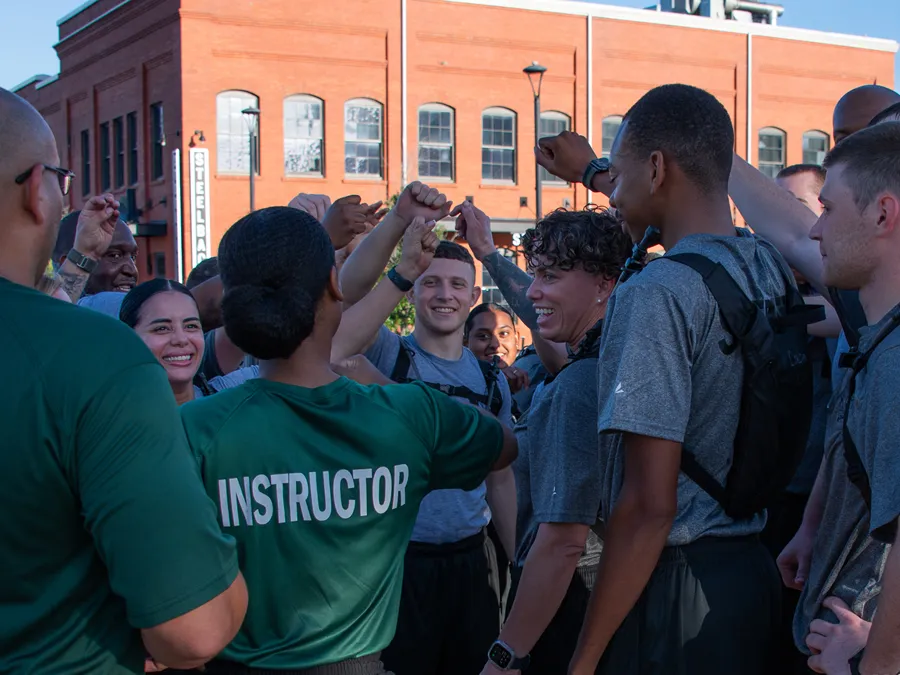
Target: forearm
(72,280)
(882,654)
(545,580)
(513,283)
(501,497)
(361,270)
(600,183)
(361,321)
(831,326)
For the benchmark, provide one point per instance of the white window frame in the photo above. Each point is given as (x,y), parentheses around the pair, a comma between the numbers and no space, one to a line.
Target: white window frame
(230,162)
(606,147)
(438,145)
(548,178)
(768,167)
(364,103)
(299,140)
(506,113)
(819,136)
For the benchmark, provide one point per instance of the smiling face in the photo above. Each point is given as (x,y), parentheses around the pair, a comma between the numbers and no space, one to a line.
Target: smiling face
(494,334)
(116,270)
(633,180)
(170,326)
(444,295)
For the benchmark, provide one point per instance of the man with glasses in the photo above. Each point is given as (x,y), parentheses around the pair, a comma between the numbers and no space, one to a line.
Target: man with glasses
(100,565)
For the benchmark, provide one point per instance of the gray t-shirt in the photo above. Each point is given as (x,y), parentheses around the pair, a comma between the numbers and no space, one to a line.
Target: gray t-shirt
(230,380)
(445,516)
(558,468)
(663,374)
(846,562)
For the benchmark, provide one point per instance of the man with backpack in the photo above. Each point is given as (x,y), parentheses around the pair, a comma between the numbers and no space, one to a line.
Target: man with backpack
(450,604)
(684,584)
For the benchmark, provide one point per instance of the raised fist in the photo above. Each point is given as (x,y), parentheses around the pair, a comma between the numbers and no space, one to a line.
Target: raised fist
(315,205)
(347,218)
(420,200)
(475,227)
(96,226)
(566,156)
(419,245)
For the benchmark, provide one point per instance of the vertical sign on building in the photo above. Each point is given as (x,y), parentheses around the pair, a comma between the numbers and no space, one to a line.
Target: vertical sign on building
(178,226)
(199,171)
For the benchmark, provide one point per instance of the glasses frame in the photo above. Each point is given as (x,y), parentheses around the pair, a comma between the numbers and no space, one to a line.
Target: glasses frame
(64,176)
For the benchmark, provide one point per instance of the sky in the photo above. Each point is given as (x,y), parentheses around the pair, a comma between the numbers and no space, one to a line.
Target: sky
(28,29)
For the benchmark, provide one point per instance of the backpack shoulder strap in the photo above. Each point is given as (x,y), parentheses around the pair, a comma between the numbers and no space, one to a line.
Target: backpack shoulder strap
(400,373)
(494,396)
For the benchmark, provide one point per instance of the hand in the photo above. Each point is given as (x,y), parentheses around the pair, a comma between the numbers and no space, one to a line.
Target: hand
(566,156)
(793,563)
(491,669)
(347,218)
(475,227)
(419,244)
(96,226)
(834,644)
(359,369)
(420,200)
(518,379)
(315,205)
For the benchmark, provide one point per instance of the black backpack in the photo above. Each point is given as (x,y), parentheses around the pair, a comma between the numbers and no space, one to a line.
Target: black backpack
(776,395)
(856,469)
(493,400)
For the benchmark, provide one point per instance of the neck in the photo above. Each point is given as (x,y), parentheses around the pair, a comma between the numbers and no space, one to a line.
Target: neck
(20,258)
(184,392)
(881,294)
(598,312)
(700,215)
(309,366)
(448,347)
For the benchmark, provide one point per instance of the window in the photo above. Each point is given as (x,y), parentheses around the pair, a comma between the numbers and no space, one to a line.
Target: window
(771,151)
(552,124)
(105,158)
(304,150)
(85,162)
(362,138)
(436,142)
(232,132)
(609,129)
(498,145)
(157,141)
(131,122)
(489,290)
(815,147)
(119,151)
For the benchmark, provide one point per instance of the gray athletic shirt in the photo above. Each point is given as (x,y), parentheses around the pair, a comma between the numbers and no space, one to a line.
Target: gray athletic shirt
(663,375)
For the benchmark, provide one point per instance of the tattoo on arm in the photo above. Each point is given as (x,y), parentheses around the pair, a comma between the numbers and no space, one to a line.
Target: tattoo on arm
(513,284)
(72,280)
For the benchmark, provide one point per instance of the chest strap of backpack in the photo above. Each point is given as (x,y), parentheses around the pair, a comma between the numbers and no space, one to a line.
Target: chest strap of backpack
(589,348)
(856,469)
(492,401)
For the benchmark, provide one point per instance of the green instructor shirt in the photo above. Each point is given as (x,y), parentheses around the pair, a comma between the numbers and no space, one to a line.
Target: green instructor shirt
(106,528)
(320,488)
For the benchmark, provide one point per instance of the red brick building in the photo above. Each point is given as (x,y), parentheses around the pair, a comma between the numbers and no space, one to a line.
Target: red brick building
(363,96)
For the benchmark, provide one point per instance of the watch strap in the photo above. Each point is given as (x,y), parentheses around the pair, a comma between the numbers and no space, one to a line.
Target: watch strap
(404,285)
(81,261)
(595,166)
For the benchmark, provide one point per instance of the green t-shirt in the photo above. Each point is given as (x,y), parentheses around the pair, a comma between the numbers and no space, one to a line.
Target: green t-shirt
(106,527)
(320,488)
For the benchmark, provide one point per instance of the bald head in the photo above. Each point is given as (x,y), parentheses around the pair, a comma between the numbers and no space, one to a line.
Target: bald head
(859,106)
(25,138)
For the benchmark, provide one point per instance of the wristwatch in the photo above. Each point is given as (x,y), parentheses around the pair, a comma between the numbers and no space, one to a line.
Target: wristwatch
(404,285)
(597,165)
(502,656)
(81,261)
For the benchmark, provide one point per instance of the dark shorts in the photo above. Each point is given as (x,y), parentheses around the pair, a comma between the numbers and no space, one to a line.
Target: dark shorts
(365,665)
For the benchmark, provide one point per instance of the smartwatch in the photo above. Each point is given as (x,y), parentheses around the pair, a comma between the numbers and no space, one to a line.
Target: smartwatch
(502,656)
(597,165)
(404,285)
(81,261)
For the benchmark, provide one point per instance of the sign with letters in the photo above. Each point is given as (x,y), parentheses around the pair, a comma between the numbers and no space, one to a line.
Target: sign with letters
(200,220)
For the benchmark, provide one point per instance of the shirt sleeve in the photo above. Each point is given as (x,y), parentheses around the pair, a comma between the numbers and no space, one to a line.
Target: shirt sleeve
(384,351)
(144,503)
(235,378)
(645,363)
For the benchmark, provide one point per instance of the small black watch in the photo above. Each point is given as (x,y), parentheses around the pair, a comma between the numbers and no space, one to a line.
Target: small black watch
(502,656)
(597,165)
(81,261)
(404,285)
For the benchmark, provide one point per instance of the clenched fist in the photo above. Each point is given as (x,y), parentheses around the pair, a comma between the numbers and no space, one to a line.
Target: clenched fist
(566,156)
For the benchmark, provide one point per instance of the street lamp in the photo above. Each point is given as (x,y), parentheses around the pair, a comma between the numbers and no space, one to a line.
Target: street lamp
(251,117)
(535,72)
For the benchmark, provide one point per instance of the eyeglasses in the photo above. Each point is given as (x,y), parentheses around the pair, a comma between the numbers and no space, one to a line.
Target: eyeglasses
(64,175)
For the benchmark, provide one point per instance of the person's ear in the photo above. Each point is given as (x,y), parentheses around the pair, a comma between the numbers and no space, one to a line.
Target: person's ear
(658,175)
(605,287)
(476,296)
(888,213)
(33,194)
(334,285)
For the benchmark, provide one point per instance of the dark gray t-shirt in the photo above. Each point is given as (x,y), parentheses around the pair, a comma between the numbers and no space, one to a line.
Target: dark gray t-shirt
(663,374)
(558,468)
(846,562)
(445,516)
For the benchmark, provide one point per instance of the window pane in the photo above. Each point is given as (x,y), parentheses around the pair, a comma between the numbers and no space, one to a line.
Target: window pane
(105,175)
(85,163)
(132,148)
(610,129)
(232,133)
(815,147)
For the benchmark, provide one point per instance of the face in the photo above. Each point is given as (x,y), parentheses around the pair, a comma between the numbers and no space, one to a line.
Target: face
(566,302)
(117,270)
(635,183)
(493,334)
(846,234)
(170,327)
(444,295)
(805,187)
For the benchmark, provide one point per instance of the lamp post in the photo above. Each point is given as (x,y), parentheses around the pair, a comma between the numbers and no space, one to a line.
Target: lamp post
(251,117)
(535,73)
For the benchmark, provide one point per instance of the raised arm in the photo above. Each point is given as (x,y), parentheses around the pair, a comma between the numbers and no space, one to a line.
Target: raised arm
(93,234)
(567,156)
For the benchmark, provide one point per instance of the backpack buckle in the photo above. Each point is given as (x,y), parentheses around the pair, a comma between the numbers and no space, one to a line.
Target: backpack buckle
(849,359)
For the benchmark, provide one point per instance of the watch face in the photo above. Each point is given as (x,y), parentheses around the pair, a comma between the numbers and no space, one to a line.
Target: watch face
(500,655)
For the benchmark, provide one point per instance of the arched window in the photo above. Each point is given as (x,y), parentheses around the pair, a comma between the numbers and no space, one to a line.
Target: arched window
(304,140)
(815,147)
(232,132)
(363,133)
(498,145)
(609,128)
(552,124)
(772,142)
(436,137)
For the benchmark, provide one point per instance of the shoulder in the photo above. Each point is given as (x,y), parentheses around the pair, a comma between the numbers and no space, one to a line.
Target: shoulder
(234,378)
(203,418)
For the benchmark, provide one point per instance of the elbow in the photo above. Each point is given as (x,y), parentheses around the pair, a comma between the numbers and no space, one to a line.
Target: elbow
(565,541)
(650,511)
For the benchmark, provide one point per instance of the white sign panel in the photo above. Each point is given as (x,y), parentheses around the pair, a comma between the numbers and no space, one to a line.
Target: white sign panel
(176,215)
(199,172)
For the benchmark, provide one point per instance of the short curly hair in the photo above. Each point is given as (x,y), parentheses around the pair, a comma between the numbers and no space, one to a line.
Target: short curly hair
(591,239)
